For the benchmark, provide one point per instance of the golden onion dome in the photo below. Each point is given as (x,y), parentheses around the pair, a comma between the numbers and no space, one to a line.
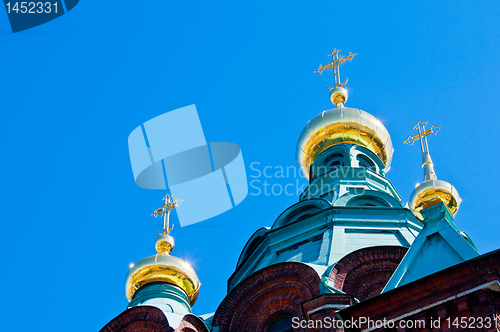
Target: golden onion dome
(432,192)
(163,268)
(343,125)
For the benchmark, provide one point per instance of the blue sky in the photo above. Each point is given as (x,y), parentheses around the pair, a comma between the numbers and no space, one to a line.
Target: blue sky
(73,89)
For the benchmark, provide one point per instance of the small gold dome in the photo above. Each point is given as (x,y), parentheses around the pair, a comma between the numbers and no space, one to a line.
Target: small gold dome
(164,244)
(163,268)
(338,96)
(343,125)
(432,192)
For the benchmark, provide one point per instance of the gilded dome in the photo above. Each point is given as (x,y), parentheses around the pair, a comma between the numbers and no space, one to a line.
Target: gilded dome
(343,125)
(432,192)
(163,268)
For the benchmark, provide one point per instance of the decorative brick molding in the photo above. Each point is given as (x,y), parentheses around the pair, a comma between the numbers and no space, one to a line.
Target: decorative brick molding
(325,306)
(194,323)
(365,272)
(275,290)
(139,319)
(151,319)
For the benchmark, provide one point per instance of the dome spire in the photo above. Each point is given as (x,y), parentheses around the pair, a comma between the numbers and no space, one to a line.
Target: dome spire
(338,95)
(431,191)
(164,242)
(427,164)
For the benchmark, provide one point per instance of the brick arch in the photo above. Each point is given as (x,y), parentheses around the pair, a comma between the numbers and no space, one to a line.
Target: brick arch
(193,323)
(186,329)
(141,318)
(279,288)
(256,318)
(280,311)
(365,272)
(151,319)
(143,326)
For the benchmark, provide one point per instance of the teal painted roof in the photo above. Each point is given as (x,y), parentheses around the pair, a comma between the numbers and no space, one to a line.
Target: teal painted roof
(439,245)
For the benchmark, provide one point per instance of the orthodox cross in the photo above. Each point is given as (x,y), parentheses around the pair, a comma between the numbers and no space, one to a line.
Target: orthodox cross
(170,203)
(422,135)
(335,64)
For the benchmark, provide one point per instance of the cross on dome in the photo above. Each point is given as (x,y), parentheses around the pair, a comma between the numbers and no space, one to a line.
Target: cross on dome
(170,203)
(422,135)
(335,64)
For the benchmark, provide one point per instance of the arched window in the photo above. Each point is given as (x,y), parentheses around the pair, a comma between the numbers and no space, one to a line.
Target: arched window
(367,200)
(335,160)
(282,323)
(364,161)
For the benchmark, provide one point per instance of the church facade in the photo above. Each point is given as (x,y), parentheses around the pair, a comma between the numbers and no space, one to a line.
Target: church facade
(349,256)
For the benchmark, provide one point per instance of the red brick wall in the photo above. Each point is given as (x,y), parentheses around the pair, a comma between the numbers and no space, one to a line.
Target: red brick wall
(442,288)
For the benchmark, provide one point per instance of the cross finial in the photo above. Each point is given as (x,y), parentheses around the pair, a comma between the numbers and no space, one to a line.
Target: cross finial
(422,135)
(427,164)
(335,64)
(170,203)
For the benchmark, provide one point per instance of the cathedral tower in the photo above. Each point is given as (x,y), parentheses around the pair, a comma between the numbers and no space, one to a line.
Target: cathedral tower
(344,238)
